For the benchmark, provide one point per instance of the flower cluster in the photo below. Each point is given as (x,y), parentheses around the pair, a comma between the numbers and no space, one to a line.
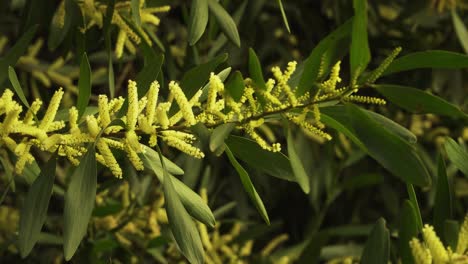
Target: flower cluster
(433,251)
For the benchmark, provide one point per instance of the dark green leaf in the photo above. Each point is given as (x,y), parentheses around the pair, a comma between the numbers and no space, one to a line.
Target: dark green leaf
(34,211)
(312,63)
(235,86)
(460,29)
(18,50)
(362,180)
(16,85)
(248,186)
(156,165)
(57,34)
(84,85)
(198,20)
(337,122)
(451,230)
(296,164)
(436,59)
(377,248)
(311,252)
(135,6)
(443,198)
(225,21)
(79,202)
(274,163)
(255,69)
(151,68)
(408,230)
(335,52)
(283,14)
(219,135)
(457,155)
(393,127)
(418,101)
(182,226)
(359,51)
(391,151)
(414,201)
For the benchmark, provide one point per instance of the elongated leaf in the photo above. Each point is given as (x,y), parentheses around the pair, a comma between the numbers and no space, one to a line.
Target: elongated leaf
(408,230)
(274,163)
(248,186)
(283,14)
(312,63)
(182,226)
(443,198)
(84,85)
(296,164)
(57,34)
(435,59)
(457,155)
(451,230)
(153,62)
(135,6)
(79,202)
(16,85)
(225,21)
(392,152)
(418,101)
(191,200)
(12,56)
(393,126)
(34,211)
(460,29)
(198,20)
(377,248)
(255,69)
(359,51)
(153,157)
(107,33)
(219,135)
(235,86)
(414,201)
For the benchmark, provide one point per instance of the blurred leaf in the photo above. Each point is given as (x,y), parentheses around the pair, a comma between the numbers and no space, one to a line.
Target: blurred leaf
(255,69)
(436,59)
(408,230)
(191,200)
(457,154)
(451,231)
(393,127)
(221,211)
(198,20)
(443,198)
(84,85)
(392,152)
(311,66)
(460,29)
(79,202)
(273,163)
(225,21)
(18,50)
(362,180)
(248,186)
(296,164)
(359,51)
(311,252)
(135,7)
(5,192)
(418,101)
(34,211)
(414,200)
(219,135)
(107,32)
(377,248)
(151,68)
(283,14)
(235,86)
(56,33)
(16,86)
(335,52)
(182,226)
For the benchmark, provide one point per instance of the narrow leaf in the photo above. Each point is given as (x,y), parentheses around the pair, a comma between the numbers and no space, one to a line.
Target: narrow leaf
(153,62)
(443,198)
(377,248)
(198,20)
(16,85)
(79,202)
(414,201)
(255,69)
(135,6)
(248,186)
(225,21)
(408,229)
(460,29)
(235,86)
(359,51)
(296,164)
(84,85)
(219,135)
(283,14)
(34,211)
(457,155)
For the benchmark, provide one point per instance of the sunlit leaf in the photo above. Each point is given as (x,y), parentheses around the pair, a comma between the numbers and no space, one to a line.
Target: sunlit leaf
(198,20)
(225,21)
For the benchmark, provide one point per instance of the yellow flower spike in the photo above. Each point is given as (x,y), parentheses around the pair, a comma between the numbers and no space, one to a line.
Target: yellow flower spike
(103,110)
(132,140)
(133,157)
(132,112)
(76,139)
(330,84)
(246,250)
(384,65)
(56,125)
(142,104)
(183,146)
(11,119)
(119,44)
(462,244)
(34,49)
(276,147)
(179,115)
(51,142)
(290,70)
(51,110)
(117,19)
(153,140)
(30,130)
(114,143)
(435,245)
(216,85)
(364,99)
(9,143)
(115,104)
(73,120)
(59,17)
(22,161)
(109,158)
(130,47)
(179,134)
(159,9)
(144,125)
(150,18)
(152,94)
(421,254)
(161,114)
(205,237)
(93,127)
(183,103)
(42,77)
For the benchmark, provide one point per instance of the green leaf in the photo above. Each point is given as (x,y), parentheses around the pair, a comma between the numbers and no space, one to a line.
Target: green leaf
(198,20)
(393,127)
(182,226)
(255,69)
(362,180)
(451,230)
(312,63)
(219,135)
(57,34)
(408,230)
(359,51)
(225,21)
(435,59)
(248,186)
(283,14)
(414,201)
(273,163)
(191,200)
(12,56)
(235,86)
(296,164)
(391,151)
(418,101)
(151,68)
(377,248)
(84,85)
(457,155)
(460,29)
(107,32)
(79,202)
(34,211)
(16,86)
(156,164)
(135,6)
(443,198)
